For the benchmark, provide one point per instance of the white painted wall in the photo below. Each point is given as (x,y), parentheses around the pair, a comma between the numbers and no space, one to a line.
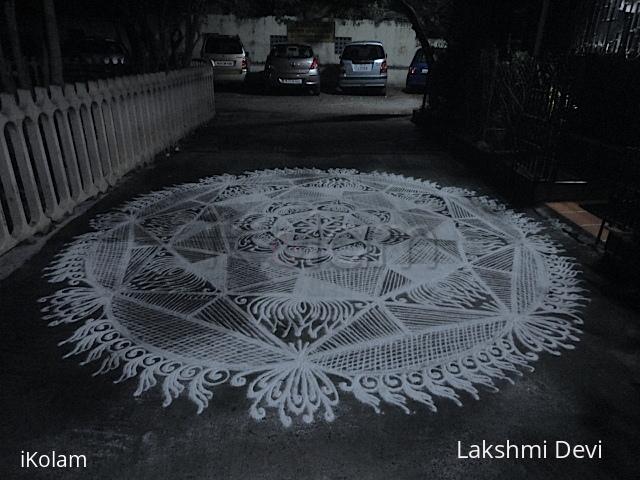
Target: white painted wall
(398,38)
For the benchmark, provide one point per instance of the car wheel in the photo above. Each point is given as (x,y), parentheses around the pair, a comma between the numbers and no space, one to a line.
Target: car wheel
(316,90)
(383,91)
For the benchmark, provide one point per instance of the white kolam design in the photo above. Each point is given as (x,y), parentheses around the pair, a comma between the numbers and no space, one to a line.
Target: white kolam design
(302,284)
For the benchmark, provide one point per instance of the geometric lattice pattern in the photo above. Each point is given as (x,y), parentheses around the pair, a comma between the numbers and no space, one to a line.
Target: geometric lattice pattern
(299,284)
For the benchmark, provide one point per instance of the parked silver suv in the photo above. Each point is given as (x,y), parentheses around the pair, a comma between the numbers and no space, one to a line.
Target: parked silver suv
(231,61)
(363,64)
(292,65)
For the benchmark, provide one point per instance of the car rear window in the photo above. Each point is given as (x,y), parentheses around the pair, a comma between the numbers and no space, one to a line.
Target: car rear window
(357,53)
(420,57)
(292,51)
(223,45)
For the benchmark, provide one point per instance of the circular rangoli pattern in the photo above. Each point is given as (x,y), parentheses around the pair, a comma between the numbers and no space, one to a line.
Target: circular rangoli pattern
(299,284)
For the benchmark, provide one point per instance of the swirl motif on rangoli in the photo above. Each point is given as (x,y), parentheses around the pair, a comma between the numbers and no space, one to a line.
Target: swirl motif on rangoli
(300,284)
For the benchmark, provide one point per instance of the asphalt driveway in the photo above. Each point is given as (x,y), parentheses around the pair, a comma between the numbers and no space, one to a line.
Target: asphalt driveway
(586,395)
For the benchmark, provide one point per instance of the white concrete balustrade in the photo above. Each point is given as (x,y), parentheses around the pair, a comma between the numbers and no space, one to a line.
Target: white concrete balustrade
(62,145)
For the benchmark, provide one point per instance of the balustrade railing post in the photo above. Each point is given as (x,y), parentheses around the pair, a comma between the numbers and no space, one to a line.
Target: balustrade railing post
(100,126)
(61,123)
(31,128)
(79,140)
(90,136)
(20,225)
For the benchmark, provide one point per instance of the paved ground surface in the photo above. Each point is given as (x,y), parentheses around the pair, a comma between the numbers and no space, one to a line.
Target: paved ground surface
(51,403)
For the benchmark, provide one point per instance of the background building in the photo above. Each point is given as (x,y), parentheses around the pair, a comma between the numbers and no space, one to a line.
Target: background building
(327,37)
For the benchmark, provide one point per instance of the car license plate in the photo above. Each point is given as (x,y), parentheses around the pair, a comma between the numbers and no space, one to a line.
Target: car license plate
(291,81)
(425,70)
(224,63)
(361,67)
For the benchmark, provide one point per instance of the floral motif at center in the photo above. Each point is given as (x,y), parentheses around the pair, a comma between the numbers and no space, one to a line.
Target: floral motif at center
(305,235)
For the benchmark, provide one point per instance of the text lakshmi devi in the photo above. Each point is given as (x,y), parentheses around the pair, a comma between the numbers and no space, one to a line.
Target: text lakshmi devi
(559,449)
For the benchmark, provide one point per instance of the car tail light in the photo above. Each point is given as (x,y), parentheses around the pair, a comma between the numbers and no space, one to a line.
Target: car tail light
(314,64)
(413,70)
(383,67)
(244,63)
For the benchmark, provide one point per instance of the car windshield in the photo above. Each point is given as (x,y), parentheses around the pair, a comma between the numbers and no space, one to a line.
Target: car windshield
(292,51)
(223,45)
(363,52)
(420,57)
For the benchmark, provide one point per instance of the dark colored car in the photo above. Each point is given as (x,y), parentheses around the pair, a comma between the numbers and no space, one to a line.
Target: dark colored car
(292,65)
(417,74)
(95,51)
(91,58)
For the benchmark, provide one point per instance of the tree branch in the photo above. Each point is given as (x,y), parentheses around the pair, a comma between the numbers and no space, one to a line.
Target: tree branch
(418,25)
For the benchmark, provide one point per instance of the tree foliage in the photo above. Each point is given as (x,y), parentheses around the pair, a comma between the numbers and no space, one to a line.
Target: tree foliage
(161,33)
(429,18)
(159,30)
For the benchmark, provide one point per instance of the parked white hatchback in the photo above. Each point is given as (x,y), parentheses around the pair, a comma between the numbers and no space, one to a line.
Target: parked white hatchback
(363,64)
